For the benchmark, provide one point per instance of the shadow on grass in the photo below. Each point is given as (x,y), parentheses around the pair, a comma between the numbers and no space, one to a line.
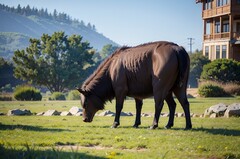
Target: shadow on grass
(29,128)
(30,153)
(219,131)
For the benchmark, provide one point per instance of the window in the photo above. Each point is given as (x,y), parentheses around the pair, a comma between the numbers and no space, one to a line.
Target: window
(217,51)
(208,4)
(207,51)
(208,26)
(238,1)
(219,3)
(224,51)
(217,27)
(225,26)
(222,2)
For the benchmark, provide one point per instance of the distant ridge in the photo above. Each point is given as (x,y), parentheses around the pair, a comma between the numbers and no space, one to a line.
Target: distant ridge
(16,29)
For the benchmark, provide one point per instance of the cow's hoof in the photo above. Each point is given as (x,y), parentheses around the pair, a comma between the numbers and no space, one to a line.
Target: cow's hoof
(135,126)
(153,127)
(168,127)
(115,125)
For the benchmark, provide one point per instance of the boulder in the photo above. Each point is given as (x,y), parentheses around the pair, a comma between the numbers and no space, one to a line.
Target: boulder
(232,110)
(40,113)
(180,115)
(19,112)
(79,114)
(219,109)
(74,110)
(126,114)
(51,113)
(107,112)
(213,115)
(146,115)
(164,114)
(65,113)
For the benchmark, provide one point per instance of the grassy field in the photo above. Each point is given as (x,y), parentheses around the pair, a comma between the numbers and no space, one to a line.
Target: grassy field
(70,137)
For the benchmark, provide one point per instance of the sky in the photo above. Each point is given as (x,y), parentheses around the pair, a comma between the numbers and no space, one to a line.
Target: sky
(133,22)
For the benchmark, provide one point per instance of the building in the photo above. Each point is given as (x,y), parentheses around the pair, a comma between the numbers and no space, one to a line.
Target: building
(221,28)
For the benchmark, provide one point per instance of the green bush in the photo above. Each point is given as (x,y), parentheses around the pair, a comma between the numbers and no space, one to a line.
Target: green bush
(74,95)
(57,96)
(210,90)
(27,93)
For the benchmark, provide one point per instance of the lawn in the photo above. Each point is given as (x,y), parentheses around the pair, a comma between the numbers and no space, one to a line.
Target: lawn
(70,137)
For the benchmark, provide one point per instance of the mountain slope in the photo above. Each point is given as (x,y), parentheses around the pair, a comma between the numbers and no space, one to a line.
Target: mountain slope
(34,26)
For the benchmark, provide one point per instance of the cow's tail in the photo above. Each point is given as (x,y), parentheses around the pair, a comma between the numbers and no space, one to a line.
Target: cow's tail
(183,67)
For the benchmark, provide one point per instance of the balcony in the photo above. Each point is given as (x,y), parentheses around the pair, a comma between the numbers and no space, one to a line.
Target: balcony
(216,11)
(217,36)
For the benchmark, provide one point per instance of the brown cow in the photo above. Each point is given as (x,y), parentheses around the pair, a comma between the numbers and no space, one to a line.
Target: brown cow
(155,69)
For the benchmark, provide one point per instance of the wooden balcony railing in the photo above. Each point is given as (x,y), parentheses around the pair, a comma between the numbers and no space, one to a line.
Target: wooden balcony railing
(216,11)
(217,36)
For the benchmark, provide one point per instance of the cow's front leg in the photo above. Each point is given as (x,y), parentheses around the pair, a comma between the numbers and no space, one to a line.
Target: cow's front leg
(119,106)
(139,104)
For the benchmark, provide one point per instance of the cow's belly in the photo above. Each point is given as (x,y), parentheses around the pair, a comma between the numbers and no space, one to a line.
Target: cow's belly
(140,90)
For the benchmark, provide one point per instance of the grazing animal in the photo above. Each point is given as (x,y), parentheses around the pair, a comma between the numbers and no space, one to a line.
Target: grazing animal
(154,69)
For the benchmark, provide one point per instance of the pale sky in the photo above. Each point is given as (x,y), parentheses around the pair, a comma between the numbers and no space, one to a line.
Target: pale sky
(132,22)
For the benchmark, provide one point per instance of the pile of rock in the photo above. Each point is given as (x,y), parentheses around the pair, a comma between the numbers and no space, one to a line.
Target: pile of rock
(223,110)
(74,111)
(110,113)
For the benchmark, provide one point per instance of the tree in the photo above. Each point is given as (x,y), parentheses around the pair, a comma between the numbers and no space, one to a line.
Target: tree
(107,50)
(6,74)
(197,61)
(222,70)
(56,61)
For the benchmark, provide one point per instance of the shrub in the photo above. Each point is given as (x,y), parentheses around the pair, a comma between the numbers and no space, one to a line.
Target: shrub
(57,96)
(222,70)
(74,95)
(27,93)
(210,90)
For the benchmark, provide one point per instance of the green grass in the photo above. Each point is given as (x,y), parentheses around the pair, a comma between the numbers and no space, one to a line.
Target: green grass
(70,137)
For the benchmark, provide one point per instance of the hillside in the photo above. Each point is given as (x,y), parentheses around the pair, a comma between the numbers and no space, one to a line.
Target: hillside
(15,31)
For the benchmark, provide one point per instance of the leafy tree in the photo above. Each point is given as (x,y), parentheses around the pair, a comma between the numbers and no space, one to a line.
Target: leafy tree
(197,61)
(106,51)
(57,62)
(6,74)
(222,70)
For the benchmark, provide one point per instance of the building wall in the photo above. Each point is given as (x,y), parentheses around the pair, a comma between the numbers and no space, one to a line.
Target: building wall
(216,47)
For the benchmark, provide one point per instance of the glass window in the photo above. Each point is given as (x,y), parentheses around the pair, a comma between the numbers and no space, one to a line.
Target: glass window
(207,51)
(217,27)
(224,51)
(217,51)
(208,4)
(225,26)
(238,1)
(208,26)
(219,3)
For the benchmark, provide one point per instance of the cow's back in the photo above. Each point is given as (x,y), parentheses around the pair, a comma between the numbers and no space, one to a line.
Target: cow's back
(140,68)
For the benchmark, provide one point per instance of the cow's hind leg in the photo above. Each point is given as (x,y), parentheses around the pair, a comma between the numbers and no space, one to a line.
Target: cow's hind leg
(158,109)
(172,107)
(139,104)
(181,95)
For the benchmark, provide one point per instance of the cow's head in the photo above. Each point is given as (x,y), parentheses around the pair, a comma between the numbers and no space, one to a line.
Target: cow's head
(91,104)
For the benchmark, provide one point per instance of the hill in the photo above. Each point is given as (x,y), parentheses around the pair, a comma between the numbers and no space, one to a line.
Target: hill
(16,29)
